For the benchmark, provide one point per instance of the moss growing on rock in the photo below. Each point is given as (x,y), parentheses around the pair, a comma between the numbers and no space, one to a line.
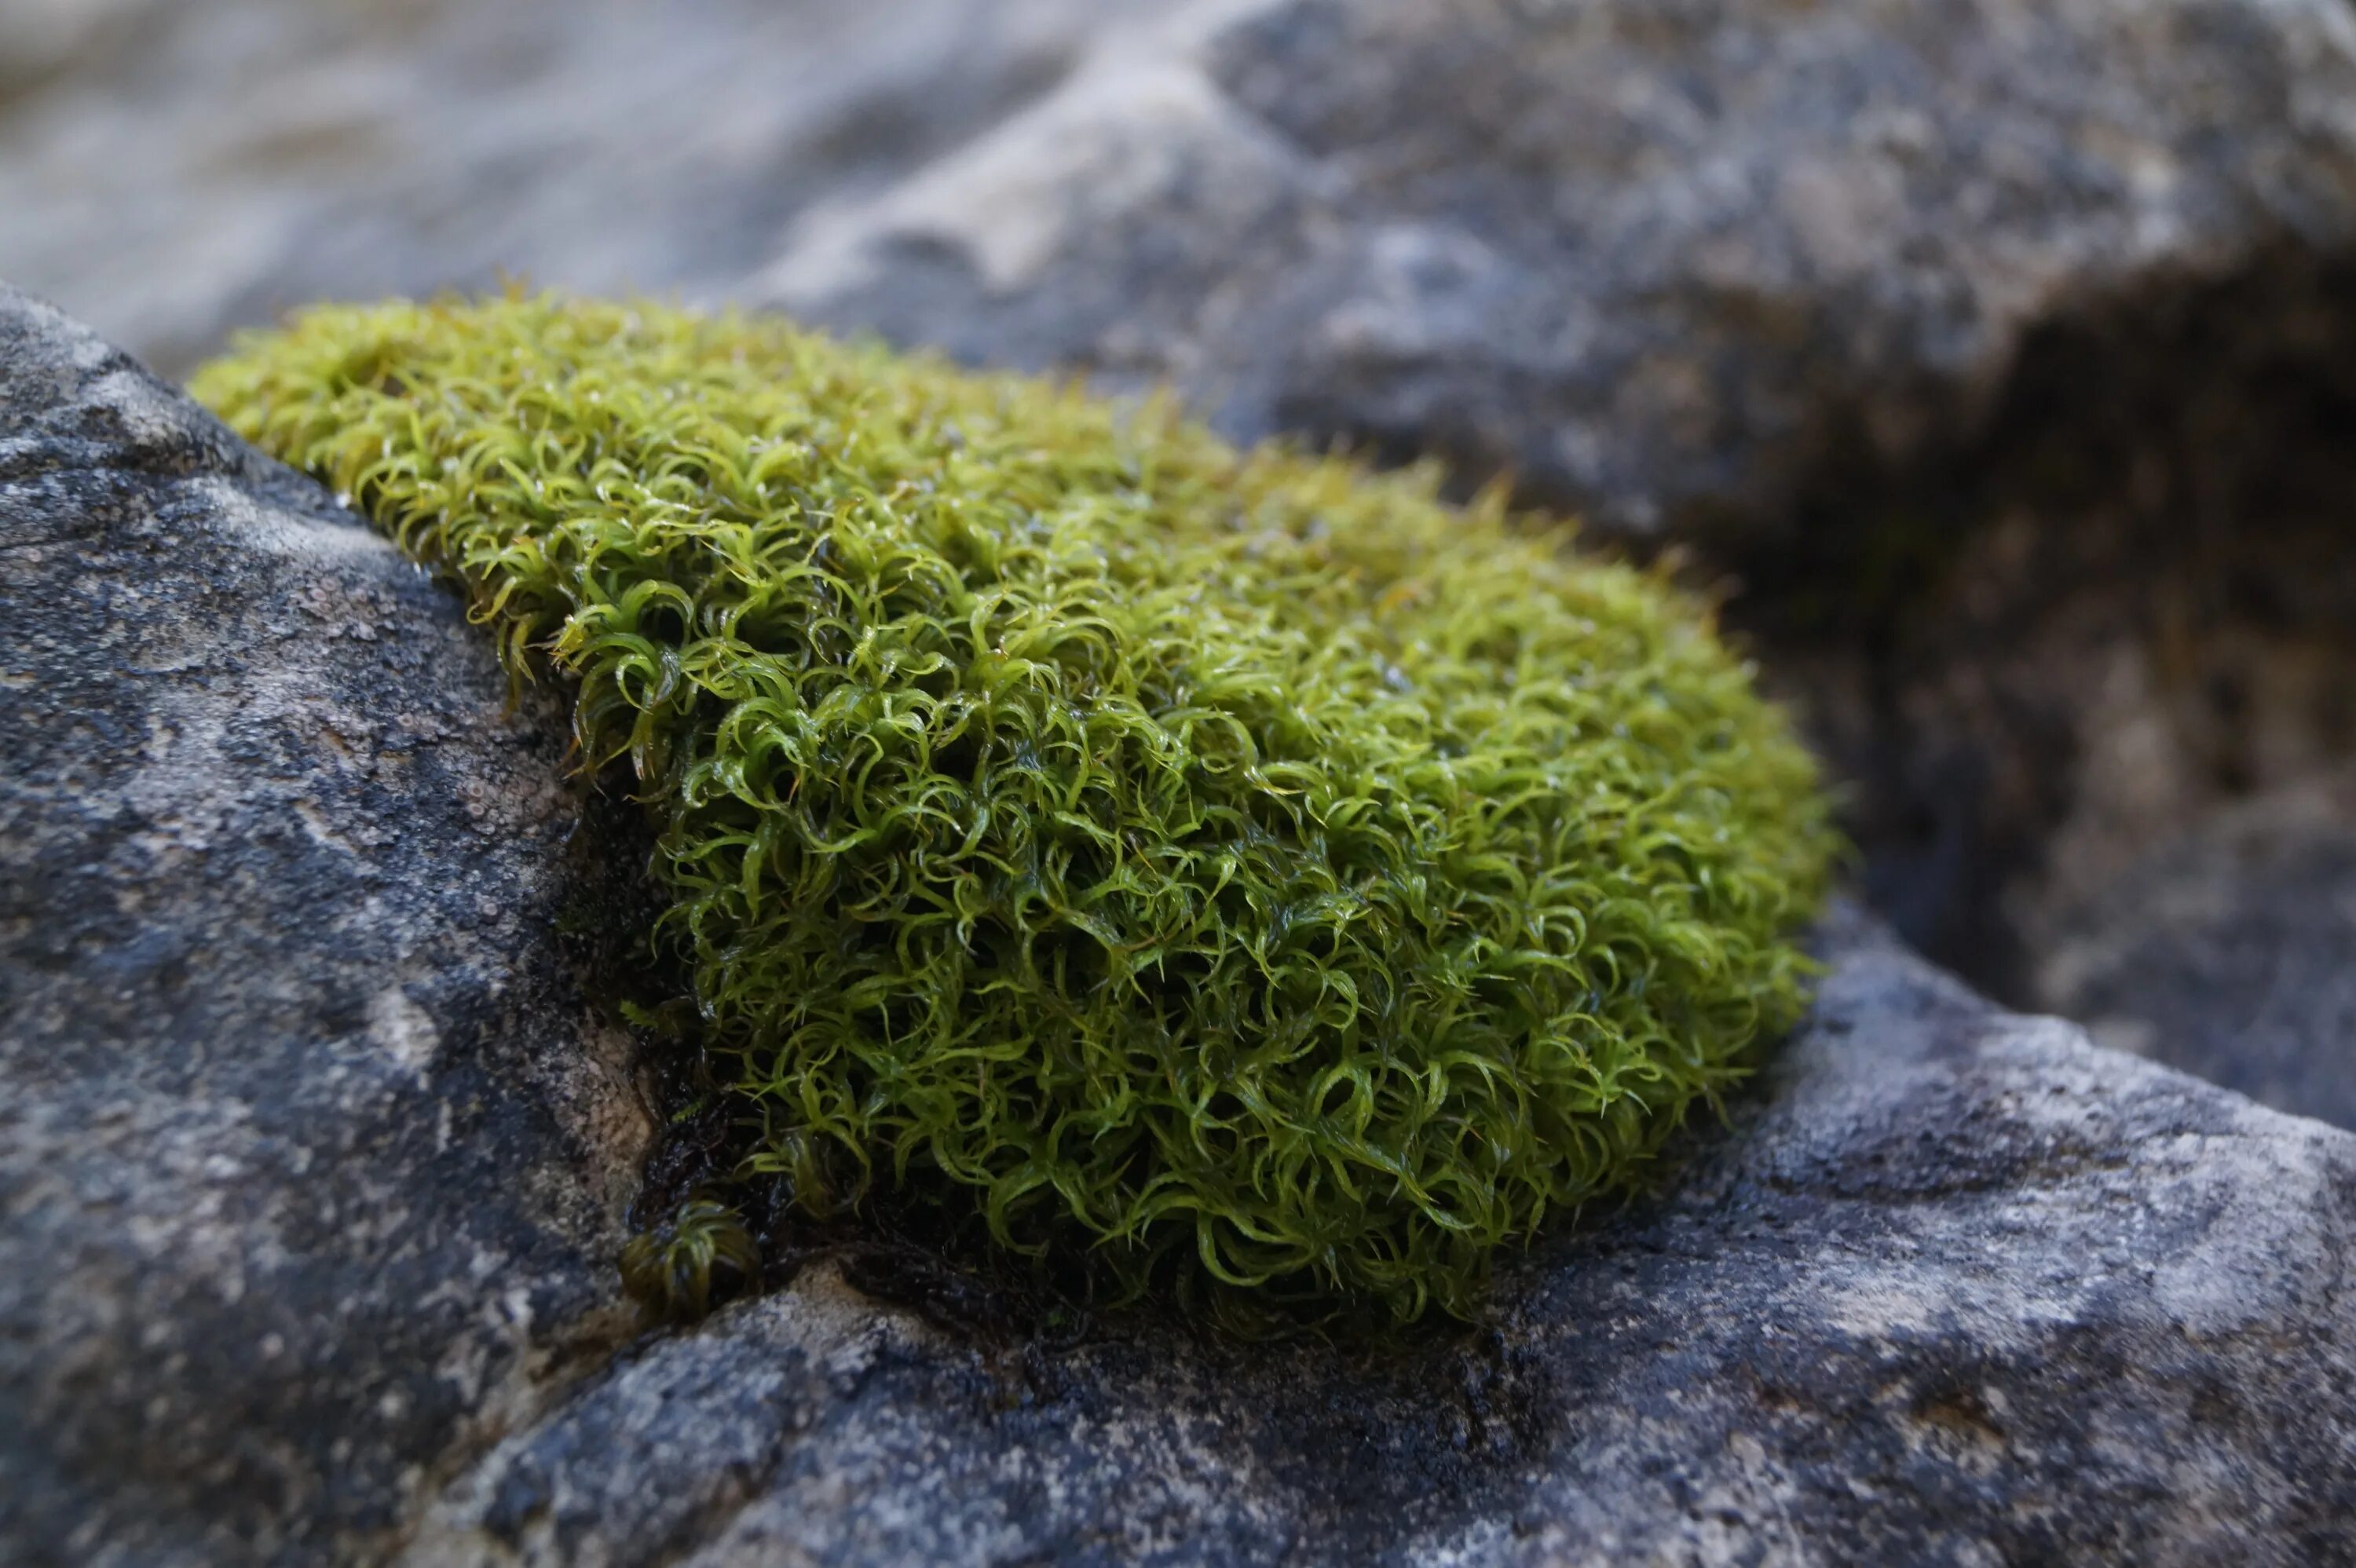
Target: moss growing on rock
(674,1266)
(1176,853)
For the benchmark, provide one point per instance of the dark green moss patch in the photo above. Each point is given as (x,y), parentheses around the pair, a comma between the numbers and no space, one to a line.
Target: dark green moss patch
(1226,867)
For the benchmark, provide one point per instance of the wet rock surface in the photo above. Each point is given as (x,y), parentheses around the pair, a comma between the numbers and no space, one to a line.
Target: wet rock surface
(313,1150)
(1660,262)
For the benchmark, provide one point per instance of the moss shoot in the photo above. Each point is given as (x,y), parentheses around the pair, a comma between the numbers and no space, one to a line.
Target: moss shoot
(1175,855)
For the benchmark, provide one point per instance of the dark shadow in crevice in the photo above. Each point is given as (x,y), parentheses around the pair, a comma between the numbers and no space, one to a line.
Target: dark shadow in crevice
(2127,598)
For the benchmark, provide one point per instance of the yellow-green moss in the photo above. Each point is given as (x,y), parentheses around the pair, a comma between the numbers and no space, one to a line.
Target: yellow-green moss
(669,1267)
(1180,855)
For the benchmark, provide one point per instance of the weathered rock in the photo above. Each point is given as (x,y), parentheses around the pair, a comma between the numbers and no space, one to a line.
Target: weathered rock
(1963,1288)
(1653,257)
(2231,951)
(173,172)
(2129,606)
(1656,259)
(313,1153)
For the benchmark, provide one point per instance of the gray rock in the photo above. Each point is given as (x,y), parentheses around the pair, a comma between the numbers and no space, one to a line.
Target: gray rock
(169,171)
(2230,950)
(1959,1287)
(1663,259)
(313,1151)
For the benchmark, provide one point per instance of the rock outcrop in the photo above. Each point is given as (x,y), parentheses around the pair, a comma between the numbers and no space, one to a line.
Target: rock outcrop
(1662,262)
(173,173)
(312,1147)
(1960,1288)
(2230,950)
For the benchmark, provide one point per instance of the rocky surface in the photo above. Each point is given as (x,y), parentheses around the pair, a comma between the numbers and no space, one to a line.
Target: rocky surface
(1663,261)
(1961,1287)
(312,1153)
(170,171)
(2230,950)
(2128,610)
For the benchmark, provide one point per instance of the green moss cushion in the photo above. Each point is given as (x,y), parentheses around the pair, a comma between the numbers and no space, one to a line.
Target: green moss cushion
(1172,852)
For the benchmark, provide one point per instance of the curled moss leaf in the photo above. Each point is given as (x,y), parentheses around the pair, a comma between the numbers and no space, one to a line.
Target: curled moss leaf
(1215,864)
(677,1269)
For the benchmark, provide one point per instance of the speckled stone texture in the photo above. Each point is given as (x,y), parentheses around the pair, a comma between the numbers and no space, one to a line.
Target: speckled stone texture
(1659,258)
(2229,950)
(1962,1288)
(312,1155)
(312,1152)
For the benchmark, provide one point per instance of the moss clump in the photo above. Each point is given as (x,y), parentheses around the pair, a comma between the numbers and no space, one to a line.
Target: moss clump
(670,1266)
(1173,852)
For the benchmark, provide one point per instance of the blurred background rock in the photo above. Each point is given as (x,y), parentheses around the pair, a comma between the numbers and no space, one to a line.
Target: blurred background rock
(171,170)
